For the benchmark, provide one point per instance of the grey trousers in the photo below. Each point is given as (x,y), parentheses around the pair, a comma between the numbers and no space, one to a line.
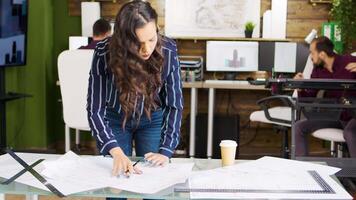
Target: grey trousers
(304,127)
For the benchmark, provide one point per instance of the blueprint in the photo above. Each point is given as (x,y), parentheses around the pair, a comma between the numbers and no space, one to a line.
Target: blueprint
(71,173)
(268,178)
(210,18)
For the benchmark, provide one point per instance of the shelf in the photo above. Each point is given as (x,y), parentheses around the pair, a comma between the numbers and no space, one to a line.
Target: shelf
(314,2)
(233,39)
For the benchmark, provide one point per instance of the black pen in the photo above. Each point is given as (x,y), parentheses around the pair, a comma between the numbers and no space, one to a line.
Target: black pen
(137,162)
(127,171)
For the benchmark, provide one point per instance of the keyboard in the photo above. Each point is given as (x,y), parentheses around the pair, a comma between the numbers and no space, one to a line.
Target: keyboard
(257,82)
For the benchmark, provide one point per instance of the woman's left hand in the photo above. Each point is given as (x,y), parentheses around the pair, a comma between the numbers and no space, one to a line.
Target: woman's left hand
(156,159)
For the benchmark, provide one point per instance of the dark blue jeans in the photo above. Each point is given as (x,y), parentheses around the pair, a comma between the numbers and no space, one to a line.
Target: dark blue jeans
(146,134)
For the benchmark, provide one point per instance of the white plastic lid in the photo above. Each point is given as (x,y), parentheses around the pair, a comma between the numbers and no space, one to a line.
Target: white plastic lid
(228,143)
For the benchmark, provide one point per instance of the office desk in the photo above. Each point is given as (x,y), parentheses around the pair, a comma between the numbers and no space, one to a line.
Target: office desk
(317,84)
(168,193)
(237,84)
(222,84)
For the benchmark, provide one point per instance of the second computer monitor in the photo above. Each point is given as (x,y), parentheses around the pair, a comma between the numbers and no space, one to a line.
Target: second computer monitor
(284,57)
(231,56)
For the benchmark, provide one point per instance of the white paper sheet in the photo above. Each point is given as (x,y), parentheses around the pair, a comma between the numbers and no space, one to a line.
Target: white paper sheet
(152,179)
(281,164)
(266,178)
(72,174)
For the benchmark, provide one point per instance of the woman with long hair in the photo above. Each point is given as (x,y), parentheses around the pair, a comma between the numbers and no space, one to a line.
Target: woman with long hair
(135,90)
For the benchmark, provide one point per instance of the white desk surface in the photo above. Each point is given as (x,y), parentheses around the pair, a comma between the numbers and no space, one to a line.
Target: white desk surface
(233,84)
(195,84)
(220,84)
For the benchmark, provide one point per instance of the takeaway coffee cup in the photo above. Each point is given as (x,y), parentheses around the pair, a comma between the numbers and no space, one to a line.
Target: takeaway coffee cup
(228,151)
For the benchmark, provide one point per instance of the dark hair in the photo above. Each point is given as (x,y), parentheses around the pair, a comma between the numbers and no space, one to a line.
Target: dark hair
(324,44)
(136,79)
(101,27)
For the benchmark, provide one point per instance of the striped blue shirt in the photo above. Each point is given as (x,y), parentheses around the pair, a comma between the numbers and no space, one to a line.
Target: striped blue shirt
(103,95)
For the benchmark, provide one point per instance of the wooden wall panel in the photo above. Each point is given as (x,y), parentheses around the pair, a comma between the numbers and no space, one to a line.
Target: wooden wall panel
(297,29)
(265,5)
(302,9)
(110,9)
(301,18)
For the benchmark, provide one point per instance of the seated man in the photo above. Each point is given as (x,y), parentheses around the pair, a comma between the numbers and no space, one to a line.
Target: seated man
(101,30)
(327,65)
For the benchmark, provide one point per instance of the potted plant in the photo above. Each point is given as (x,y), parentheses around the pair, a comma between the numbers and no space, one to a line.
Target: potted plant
(249,26)
(343,12)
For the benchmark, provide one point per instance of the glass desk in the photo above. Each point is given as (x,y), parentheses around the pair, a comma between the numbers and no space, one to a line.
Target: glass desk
(168,193)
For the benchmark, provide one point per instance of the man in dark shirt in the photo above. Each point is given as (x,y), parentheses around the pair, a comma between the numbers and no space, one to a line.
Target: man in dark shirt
(327,65)
(101,30)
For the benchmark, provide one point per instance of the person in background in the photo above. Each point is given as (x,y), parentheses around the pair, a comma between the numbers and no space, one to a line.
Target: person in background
(101,30)
(135,91)
(327,65)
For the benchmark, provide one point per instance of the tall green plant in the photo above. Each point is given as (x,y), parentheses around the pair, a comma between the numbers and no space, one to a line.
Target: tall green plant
(344,13)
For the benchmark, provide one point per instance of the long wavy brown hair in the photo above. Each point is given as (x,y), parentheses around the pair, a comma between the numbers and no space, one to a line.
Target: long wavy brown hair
(136,79)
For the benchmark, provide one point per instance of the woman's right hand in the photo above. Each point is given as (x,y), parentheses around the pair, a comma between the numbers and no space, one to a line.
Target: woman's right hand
(122,164)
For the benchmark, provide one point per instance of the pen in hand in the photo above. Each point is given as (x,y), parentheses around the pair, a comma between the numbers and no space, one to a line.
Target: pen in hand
(137,162)
(127,173)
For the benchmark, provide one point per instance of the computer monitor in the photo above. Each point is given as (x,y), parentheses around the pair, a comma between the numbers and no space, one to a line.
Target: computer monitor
(231,56)
(285,57)
(77,41)
(266,56)
(302,56)
(13,32)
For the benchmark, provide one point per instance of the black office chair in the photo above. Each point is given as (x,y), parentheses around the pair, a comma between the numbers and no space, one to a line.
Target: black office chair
(278,116)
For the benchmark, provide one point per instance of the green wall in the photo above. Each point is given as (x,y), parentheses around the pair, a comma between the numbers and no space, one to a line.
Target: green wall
(63,26)
(37,122)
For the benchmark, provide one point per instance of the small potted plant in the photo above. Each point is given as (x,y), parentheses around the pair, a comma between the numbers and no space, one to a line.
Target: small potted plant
(249,26)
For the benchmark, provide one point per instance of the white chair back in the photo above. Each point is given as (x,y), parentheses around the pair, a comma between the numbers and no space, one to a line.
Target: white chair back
(308,69)
(73,72)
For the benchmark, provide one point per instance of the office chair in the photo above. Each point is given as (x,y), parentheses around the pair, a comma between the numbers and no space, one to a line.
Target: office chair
(280,116)
(73,73)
